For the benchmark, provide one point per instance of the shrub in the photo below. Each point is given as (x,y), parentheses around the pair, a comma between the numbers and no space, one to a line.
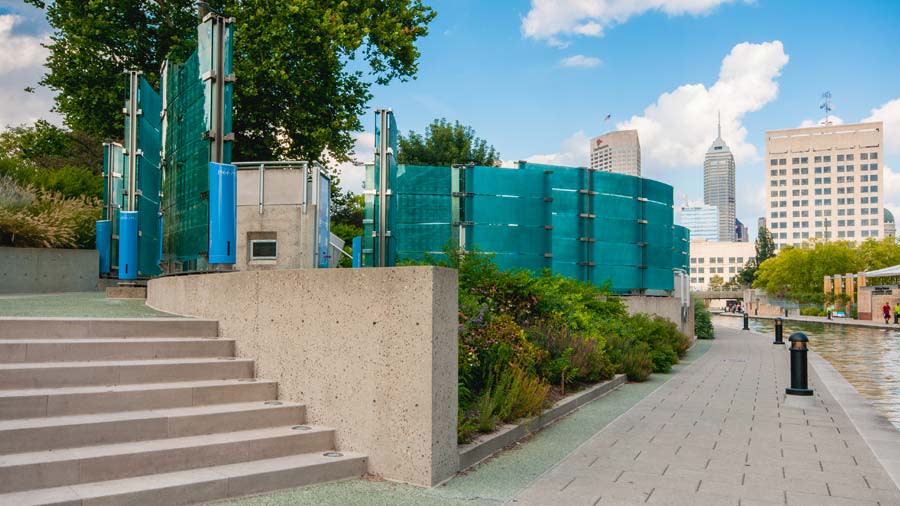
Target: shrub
(45,219)
(812,311)
(516,394)
(572,356)
(637,363)
(703,326)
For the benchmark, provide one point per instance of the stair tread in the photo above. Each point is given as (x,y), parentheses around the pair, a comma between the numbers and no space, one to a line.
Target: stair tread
(208,409)
(114,363)
(127,387)
(106,340)
(107,450)
(166,480)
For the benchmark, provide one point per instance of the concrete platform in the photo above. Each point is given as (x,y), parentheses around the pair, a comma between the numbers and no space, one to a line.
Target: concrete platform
(126,292)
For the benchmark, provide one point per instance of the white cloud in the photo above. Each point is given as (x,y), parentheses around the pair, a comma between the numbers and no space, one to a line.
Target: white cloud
(891,190)
(19,51)
(889,113)
(574,151)
(580,60)
(352,174)
(679,127)
(550,19)
(21,65)
(834,120)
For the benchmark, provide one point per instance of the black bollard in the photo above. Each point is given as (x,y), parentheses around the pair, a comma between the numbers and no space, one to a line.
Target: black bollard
(779,329)
(799,373)
(746,321)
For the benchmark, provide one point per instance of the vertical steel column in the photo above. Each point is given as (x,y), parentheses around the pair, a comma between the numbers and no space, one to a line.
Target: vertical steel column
(132,112)
(262,186)
(383,190)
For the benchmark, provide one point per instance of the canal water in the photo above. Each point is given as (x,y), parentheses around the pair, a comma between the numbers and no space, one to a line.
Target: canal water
(868,358)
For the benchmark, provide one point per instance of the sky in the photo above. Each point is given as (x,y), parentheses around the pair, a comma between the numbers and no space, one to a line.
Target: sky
(536,78)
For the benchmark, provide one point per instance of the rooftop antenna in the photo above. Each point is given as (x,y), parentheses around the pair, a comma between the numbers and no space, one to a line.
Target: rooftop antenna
(826,106)
(720,123)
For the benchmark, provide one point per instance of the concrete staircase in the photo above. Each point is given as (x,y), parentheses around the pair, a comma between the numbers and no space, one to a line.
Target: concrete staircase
(148,411)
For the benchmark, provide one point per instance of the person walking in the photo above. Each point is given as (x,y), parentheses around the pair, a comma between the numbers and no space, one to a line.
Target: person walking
(886,312)
(897,312)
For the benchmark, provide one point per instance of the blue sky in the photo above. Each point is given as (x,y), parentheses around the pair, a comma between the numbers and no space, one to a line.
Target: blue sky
(499,67)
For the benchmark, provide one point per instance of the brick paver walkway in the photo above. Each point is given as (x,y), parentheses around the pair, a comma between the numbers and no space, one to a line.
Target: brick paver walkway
(721,433)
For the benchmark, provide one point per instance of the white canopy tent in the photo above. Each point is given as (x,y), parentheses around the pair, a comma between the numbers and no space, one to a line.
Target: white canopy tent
(886,272)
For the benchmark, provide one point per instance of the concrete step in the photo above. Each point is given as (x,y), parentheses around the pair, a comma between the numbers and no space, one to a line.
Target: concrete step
(40,402)
(119,372)
(35,470)
(66,350)
(55,328)
(55,433)
(200,485)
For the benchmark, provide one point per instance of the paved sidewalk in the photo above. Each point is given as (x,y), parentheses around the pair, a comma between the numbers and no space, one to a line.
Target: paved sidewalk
(721,433)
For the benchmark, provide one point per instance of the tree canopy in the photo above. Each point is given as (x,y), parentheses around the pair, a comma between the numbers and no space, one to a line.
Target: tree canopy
(797,273)
(304,69)
(765,249)
(445,143)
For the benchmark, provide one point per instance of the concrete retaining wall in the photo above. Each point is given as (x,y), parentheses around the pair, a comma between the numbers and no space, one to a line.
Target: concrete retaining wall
(669,308)
(45,270)
(371,352)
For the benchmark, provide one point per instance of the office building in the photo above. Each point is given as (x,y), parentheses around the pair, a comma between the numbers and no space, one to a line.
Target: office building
(761,223)
(718,185)
(724,259)
(741,234)
(825,183)
(702,221)
(618,151)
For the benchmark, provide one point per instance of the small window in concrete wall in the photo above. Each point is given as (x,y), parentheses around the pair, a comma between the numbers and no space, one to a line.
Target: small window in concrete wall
(263,246)
(263,250)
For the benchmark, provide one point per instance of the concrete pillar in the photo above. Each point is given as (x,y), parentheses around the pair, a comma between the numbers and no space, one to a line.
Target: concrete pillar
(851,289)
(828,286)
(838,289)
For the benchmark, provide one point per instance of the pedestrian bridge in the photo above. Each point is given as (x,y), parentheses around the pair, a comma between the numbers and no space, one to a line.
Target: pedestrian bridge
(719,294)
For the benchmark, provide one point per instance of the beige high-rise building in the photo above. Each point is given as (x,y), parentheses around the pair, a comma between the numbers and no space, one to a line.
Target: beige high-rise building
(825,183)
(618,151)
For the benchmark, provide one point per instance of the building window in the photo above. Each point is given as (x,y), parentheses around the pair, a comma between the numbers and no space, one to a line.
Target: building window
(864,156)
(849,157)
(840,158)
(774,162)
(263,249)
(873,156)
(826,158)
(782,161)
(817,159)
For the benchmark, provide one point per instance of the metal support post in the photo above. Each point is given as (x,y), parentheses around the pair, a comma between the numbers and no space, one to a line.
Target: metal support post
(746,321)
(779,328)
(799,368)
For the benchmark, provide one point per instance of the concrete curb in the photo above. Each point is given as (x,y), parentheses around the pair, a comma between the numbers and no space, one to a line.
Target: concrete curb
(839,322)
(881,436)
(476,451)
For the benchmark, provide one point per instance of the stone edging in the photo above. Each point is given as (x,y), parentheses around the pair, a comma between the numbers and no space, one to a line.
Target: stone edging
(879,434)
(847,322)
(480,449)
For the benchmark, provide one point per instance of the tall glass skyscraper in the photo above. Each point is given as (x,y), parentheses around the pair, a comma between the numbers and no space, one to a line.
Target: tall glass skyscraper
(702,221)
(718,185)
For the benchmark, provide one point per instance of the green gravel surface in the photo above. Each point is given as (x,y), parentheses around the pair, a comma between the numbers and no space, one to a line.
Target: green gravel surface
(494,481)
(75,304)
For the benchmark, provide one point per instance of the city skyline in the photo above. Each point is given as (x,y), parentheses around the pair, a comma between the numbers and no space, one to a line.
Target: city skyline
(555,75)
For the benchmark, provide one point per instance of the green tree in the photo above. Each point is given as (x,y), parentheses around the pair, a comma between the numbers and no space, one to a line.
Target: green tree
(50,147)
(300,88)
(445,143)
(716,282)
(797,273)
(878,254)
(765,249)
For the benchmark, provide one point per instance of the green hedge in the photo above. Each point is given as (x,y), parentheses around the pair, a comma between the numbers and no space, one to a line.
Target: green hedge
(524,339)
